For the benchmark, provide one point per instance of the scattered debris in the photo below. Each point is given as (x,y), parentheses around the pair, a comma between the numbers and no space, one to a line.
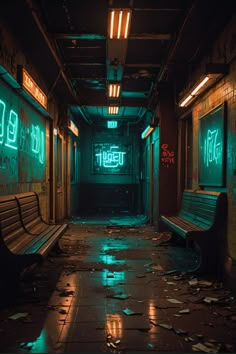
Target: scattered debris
(111,342)
(204,283)
(180,331)
(150,345)
(174,301)
(209,299)
(184,311)
(206,347)
(18,315)
(157,267)
(26,345)
(129,312)
(193,282)
(189,339)
(166,326)
(119,296)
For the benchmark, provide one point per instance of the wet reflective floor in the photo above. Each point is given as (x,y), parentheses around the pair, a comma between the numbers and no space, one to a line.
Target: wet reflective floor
(119,286)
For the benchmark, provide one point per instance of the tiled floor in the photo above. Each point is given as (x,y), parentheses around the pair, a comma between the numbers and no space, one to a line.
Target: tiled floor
(110,266)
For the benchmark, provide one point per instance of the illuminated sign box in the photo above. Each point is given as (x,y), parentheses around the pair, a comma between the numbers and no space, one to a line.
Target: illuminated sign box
(212,148)
(111,158)
(73,128)
(31,87)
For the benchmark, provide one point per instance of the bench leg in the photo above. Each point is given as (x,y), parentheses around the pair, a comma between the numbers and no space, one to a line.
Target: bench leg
(12,265)
(207,255)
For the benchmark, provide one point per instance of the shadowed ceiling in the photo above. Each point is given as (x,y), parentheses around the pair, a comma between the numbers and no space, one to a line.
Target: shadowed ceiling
(68,41)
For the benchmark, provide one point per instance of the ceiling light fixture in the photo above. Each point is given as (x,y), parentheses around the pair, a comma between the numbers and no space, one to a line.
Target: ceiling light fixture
(147,132)
(119,23)
(212,73)
(113,110)
(114,90)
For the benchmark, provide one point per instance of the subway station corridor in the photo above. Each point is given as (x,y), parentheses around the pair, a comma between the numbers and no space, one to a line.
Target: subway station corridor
(118,286)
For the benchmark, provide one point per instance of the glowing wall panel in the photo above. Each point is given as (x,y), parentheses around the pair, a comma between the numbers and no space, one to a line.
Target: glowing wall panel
(112,158)
(212,148)
(22,140)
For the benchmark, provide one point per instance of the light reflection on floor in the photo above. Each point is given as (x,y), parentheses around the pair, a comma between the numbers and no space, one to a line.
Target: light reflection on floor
(121,263)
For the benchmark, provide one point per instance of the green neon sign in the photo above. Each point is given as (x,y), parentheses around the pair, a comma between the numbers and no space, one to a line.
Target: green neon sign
(111,158)
(14,134)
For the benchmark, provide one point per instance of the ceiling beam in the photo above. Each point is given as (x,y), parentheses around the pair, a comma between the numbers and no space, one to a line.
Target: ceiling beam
(169,9)
(92,36)
(71,63)
(142,65)
(51,47)
(151,36)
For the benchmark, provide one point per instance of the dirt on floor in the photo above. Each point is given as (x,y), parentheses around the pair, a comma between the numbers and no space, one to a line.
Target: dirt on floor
(180,293)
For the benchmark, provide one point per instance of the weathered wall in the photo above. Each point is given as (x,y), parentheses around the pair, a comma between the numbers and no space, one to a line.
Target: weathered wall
(109,173)
(224,51)
(24,146)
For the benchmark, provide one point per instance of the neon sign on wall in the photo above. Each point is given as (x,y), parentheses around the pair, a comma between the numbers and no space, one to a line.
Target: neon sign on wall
(111,158)
(11,129)
(31,87)
(211,148)
(22,140)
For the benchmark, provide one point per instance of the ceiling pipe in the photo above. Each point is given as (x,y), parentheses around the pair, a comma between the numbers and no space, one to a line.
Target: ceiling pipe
(175,45)
(52,49)
(83,115)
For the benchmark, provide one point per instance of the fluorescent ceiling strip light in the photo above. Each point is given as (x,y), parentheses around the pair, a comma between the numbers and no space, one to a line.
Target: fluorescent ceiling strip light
(127,25)
(187,100)
(147,132)
(114,90)
(112,24)
(118,91)
(200,85)
(119,24)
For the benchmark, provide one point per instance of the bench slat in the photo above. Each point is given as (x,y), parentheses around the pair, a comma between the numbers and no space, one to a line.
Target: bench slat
(201,213)
(24,236)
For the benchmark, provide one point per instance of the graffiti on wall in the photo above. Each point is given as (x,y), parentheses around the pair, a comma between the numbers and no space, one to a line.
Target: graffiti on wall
(167,156)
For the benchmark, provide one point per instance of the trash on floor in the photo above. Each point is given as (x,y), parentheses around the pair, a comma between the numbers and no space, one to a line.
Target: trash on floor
(18,315)
(129,312)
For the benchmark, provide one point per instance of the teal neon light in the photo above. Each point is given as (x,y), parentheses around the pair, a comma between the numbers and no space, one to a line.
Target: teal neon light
(12,130)
(111,124)
(212,148)
(37,142)
(14,135)
(111,158)
(2,115)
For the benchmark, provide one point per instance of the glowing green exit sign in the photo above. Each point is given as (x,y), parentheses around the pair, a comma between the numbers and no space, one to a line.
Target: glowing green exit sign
(111,124)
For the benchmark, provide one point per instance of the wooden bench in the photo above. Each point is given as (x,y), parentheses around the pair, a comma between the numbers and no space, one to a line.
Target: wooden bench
(201,221)
(25,239)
